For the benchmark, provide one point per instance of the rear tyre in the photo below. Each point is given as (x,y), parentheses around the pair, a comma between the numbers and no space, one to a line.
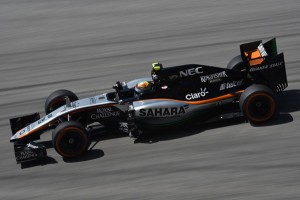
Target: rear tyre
(236,64)
(258,104)
(70,139)
(57,99)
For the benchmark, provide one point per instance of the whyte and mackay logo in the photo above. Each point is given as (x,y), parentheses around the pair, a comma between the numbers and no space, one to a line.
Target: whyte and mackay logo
(105,113)
(163,112)
(202,93)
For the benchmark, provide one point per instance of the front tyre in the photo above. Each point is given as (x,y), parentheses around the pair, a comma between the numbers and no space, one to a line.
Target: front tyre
(57,99)
(258,103)
(70,139)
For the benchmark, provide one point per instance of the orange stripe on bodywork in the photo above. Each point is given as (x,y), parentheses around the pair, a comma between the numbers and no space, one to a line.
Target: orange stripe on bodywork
(226,96)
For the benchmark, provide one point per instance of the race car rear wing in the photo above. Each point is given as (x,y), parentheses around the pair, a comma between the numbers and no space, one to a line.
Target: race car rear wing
(264,64)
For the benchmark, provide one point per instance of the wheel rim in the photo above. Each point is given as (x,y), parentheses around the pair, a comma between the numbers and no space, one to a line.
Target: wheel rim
(71,142)
(260,107)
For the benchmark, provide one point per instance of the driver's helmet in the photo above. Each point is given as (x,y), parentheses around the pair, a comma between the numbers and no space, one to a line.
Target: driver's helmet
(143,87)
(157,66)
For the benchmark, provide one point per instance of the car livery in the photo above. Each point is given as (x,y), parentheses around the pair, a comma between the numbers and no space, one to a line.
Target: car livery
(170,96)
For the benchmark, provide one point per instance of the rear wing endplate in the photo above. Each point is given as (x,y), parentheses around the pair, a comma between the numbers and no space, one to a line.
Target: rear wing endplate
(264,64)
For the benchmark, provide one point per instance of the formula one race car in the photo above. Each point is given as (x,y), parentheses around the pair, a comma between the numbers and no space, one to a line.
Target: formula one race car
(171,96)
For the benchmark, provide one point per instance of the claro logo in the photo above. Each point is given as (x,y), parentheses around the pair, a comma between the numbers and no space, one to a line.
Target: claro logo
(191,72)
(198,95)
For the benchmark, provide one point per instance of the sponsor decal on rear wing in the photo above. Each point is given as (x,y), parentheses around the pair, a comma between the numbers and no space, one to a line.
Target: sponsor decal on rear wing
(264,63)
(255,53)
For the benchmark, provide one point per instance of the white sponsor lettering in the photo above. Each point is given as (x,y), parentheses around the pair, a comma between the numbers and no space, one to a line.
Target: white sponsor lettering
(253,69)
(230,85)
(263,67)
(104,113)
(213,77)
(30,145)
(104,110)
(276,64)
(191,72)
(25,155)
(22,132)
(123,127)
(198,95)
(262,50)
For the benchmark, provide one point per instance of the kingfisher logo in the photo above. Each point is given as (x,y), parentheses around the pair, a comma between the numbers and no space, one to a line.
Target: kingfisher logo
(198,95)
(229,85)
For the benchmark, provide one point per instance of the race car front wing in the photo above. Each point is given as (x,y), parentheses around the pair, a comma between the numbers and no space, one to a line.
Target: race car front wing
(27,150)
(30,151)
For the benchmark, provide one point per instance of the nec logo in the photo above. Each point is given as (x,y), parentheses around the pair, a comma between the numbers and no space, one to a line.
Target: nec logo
(191,72)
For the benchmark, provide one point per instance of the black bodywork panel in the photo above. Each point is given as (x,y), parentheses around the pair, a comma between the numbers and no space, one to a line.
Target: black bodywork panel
(194,82)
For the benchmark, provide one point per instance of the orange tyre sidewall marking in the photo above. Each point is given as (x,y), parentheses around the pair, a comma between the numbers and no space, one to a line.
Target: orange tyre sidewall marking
(249,99)
(60,135)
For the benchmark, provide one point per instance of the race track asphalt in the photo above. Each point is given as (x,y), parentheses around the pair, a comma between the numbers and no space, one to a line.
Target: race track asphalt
(85,46)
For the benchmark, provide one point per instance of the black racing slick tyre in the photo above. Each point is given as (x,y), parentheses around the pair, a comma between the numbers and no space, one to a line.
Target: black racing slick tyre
(70,139)
(258,103)
(57,99)
(236,64)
